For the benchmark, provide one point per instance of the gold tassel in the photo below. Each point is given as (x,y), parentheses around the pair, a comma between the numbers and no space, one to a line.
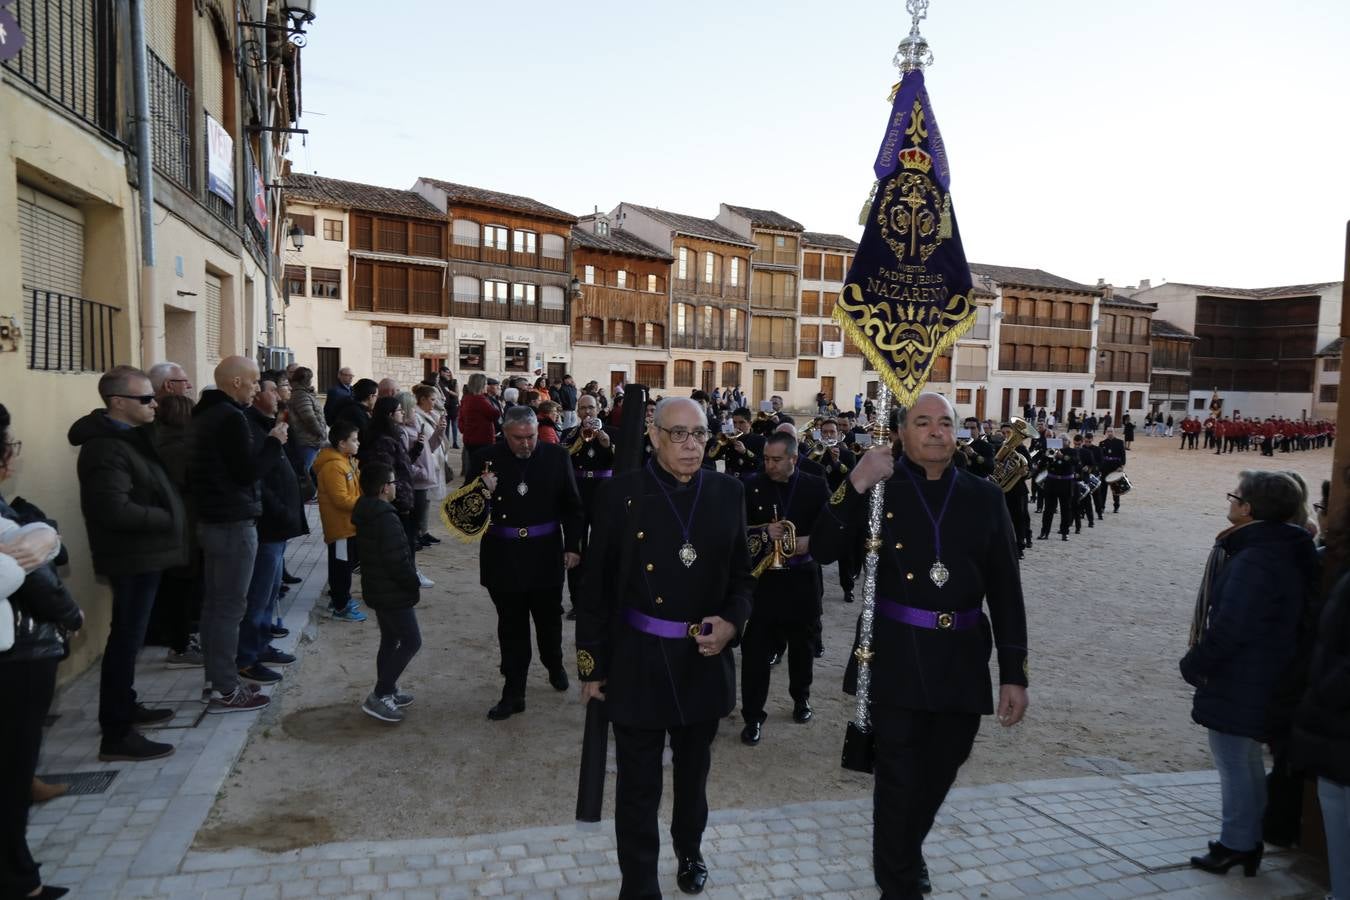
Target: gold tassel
(867,207)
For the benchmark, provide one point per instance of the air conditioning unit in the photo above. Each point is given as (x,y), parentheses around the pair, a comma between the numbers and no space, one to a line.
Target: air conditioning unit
(278,358)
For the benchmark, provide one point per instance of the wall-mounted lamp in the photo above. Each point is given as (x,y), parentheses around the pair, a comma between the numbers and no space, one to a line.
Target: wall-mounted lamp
(299,12)
(297,235)
(575,288)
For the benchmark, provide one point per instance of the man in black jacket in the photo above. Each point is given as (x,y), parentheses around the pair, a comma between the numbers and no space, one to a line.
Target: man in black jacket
(283,517)
(666,597)
(338,394)
(225,467)
(136,522)
(946,550)
(356,408)
(534,536)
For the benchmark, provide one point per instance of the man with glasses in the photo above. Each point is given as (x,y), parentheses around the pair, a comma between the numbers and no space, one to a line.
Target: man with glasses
(666,596)
(533,537)
(169,378)
(136,524)
(592,452)
(338,394)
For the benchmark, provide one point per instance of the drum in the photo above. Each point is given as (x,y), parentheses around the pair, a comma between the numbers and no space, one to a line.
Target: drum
(1118,482)
(1088,486)
(1041,476)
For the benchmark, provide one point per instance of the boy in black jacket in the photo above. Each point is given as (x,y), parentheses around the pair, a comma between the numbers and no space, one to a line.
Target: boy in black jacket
(389,582)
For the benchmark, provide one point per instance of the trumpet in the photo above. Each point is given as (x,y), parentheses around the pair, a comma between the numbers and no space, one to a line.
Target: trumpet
(785,546)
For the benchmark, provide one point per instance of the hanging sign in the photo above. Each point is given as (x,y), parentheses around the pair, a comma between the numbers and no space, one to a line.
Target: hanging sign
(219,161)
(11,36)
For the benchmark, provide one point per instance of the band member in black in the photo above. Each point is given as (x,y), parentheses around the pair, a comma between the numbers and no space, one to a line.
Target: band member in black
(742,451)
(1057,491)
(592,452)
(946,551)
(667,596)
(1089,464)
(1016,497)
(1112,452)
(838,461)
(534,535)
(787,605)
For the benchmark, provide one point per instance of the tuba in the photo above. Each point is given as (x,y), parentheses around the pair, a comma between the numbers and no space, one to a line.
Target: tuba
(1010,466)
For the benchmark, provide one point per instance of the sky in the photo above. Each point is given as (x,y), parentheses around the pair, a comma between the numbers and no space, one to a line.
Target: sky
(1202,141)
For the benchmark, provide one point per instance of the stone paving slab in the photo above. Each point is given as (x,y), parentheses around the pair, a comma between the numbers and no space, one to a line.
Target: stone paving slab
(1101,836)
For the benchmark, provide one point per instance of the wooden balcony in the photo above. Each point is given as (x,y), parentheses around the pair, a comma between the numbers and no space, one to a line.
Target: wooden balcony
(1045,322)
(775,257)
(477,308)
(772,350)
(1139,340)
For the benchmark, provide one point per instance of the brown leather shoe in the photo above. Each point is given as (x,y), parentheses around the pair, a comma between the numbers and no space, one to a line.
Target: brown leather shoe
(42,791)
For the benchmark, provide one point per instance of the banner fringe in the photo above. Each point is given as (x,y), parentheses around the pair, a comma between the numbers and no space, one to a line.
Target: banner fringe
(904,394)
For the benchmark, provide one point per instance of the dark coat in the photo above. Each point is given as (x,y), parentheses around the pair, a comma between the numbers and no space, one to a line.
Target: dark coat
(659,682)
(792,594)
(226,462)
(389,450)
(1251,631)
(43,607)
(337,397)
(920,668)
(532,563)
(592,464)
(134,516)
(1321,739)
(283,512)
(388,573)
(1113,454)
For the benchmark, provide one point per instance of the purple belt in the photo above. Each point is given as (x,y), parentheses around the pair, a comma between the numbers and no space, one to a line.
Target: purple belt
(595,473)
(1063,477)
(927,618)
(664,628)
(528,531)
(802,560)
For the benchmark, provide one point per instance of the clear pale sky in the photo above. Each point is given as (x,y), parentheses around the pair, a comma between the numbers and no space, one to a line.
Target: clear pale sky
(1193,140)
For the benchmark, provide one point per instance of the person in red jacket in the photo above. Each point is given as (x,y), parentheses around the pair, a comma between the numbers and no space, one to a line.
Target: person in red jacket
(478,417)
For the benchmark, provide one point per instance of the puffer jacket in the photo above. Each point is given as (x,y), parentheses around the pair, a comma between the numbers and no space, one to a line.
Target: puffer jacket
(226,463)
(339,490)
(397,453)
(308,427)
(388,573)
(428,469)
(44,610)
(1321,737)
(132,511)
(283,512)
(1250,638)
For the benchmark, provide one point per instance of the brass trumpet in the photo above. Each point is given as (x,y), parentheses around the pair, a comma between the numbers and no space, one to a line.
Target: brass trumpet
(785,546)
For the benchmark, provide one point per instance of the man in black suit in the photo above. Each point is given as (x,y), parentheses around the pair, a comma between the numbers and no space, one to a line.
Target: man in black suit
(592,452)
(787,604)
(743,451)
(946,549)
(1089,464)
(1112,451)
(838,461)
(534,535)
(666,596)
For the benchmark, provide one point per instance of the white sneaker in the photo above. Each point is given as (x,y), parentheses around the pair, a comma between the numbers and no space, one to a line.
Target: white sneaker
(424,581)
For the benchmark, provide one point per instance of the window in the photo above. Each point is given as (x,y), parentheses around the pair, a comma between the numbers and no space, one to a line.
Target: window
(653,375)
(426,240)
(780,378)
(963,395)
(590,274)
(653,335)
(526,242)
(682,268)
(326,283)
(621,332)
(806,368)
(306,223)
(827,302)
(621,279)
(295,281)
(362,231)
(393,236)
(651,283)
(398,341)
(332,229)
(681,319)
(393,292)
(363,286)
(523,294)
(1103,399)
(830,333)
(551,297)
(554,247)
(426,292)
(735,271)
(1327,393)
(710,268)
(465,233)
(1199,403)
(1076,399)
(834,267)
(471,354)
(684,373)
(588,329)
(601,227)
(494,236)
(517,357)
(431,334)
(810,303)
(731,374)
(1331,364)
(1136,399)
(494,292)
(1042,395)
(811,266)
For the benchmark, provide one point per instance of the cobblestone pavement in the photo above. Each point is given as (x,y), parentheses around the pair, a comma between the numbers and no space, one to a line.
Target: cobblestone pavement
(1095,837)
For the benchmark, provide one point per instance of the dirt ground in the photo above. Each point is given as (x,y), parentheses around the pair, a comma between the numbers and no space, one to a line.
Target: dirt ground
(1108,614)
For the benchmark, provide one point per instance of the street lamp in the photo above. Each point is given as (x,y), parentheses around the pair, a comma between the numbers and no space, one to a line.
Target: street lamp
(575,288)
(297,235)
(299,13)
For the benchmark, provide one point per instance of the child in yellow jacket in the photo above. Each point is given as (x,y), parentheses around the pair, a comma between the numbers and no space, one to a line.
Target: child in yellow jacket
(339,489)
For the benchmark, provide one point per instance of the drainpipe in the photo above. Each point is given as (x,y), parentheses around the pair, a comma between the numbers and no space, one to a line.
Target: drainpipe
(151,312)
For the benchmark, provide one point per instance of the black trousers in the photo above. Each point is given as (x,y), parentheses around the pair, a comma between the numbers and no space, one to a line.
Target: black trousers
(1082,508)
(762,639)
(918,753)
(133,598)
(637,797)
(1060,497)
(24,702)
(1021,518)
(514,611)
(575,574)
(850,563)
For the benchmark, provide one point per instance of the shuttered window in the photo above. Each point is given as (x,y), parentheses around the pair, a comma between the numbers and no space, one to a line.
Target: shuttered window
(426,240)
(361,233)
(295,281)
(51,243)
(393,292)
(653,375)
(684,373)
(213,316)
(213,74)
(161,29)
(363,286)
(426,291)
(326,283)
(398,341)
(552,296)
(466,232)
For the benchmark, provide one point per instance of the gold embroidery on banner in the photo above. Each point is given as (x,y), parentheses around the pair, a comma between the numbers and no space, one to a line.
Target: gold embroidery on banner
(585,663)
(839,493)
(465,512)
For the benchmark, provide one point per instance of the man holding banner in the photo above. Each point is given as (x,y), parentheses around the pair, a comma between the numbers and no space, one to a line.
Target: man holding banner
(939,541)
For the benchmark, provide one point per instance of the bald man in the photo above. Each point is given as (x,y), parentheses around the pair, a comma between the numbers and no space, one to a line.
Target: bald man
(225,466)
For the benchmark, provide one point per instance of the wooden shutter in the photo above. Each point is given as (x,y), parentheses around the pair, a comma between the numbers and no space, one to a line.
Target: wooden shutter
(426,291)
(393,294)
(161,29)
(363,286)
(51,243)
(398,341)
(213,315)
(213,74)
(361,237)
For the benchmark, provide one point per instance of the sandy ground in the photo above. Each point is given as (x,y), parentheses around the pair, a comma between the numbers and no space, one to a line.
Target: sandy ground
(1108,616)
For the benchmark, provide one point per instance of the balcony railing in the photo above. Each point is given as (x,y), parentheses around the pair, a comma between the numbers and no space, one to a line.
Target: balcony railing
(775,257)
(772,349)
(473,307)
(170,122)
(1025,366)
(808,348)
(1121,375)
(67,334)
(1118,337)
(695,341)
(769,300)
(71,56)
(1044,322)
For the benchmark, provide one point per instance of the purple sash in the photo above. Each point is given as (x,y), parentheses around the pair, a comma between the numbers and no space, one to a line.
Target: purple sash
(664,628)
(927,618)
(528,531)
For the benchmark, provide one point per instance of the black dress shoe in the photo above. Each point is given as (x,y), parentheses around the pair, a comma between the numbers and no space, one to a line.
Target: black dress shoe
(925,885)
(752,733)
(280,632)
(431,539)
(144,715)
(505,709)
(1021,555)
(848,596)
(775,659)
(288,578)
(51,892)
(558,678)
(801,712)
(819,651)
(693,874)
(1064,537)
(1043,537)
(1220,859)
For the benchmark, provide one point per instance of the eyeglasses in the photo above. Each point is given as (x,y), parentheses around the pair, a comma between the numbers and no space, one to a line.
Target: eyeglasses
(388,483)
(1320,507)
(1236,499)
(680,435)
(145,399)
(13,449)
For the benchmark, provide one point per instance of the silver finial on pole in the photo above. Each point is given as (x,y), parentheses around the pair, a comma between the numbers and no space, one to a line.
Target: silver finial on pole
(913,52)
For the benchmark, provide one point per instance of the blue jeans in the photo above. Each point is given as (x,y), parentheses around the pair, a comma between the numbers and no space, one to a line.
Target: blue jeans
(454,431)
(307,455)
(255,630)
(400,640)
(1242,782)
(1335,800)
(133,598)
